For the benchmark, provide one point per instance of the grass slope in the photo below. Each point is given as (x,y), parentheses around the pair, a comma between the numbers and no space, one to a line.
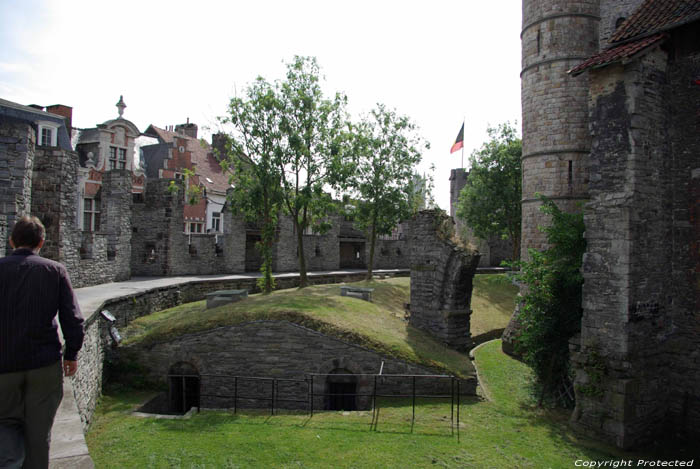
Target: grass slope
(508,432)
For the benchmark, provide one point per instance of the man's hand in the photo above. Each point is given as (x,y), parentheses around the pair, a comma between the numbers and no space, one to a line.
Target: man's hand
(69,367)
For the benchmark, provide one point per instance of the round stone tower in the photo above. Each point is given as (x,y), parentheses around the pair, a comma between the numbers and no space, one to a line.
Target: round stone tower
(557,35)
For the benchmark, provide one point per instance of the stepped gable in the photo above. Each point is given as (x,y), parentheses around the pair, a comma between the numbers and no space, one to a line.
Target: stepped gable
(207,167)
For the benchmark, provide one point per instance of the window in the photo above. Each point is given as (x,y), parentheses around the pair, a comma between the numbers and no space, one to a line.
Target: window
(112,157)
(48,134)
(193,227)
(91,215)
(216,221)
(122,158)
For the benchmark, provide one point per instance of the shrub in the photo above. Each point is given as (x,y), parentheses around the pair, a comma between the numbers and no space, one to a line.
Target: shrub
(550,313)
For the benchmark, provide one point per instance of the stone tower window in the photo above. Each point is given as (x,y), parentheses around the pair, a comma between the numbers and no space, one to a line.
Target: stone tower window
(91,215)
(619,21)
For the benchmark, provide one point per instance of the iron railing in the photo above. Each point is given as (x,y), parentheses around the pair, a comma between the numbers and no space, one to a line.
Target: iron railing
(269,392)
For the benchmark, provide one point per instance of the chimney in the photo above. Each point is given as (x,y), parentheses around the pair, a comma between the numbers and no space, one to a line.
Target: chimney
(218,143)
(64,111)
(188,129)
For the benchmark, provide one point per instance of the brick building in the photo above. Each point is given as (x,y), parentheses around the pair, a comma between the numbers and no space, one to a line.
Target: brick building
(177,150)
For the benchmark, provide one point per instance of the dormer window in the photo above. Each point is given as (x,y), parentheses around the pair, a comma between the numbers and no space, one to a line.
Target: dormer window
(122,158)
(48,134)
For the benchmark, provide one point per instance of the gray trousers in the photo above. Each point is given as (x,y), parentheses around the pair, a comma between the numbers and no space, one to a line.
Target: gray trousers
(28,403)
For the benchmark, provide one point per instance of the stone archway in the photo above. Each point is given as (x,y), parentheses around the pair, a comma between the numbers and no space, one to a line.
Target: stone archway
(341,386)
(183,387)
(441,280)
(362,381)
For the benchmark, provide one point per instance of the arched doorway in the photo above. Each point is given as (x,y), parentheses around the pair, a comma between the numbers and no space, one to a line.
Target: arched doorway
(342,390)
(183,387)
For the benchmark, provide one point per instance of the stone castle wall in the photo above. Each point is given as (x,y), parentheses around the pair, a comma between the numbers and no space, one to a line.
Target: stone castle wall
(17,147)
(612,12)
(441,281)
(641,325)
(3,235)
(43,181)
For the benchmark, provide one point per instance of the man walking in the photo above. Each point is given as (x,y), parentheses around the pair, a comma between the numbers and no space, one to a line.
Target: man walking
(32,290)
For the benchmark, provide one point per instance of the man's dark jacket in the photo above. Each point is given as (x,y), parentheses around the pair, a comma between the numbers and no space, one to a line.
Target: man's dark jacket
(32,290)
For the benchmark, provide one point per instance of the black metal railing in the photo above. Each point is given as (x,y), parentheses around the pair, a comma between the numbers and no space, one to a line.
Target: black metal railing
(305,394)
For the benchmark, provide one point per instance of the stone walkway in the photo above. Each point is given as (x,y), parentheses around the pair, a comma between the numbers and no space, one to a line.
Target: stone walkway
(68,447)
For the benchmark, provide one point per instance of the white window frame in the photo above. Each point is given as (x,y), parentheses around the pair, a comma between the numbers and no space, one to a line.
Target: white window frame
(216,221)
(53,127)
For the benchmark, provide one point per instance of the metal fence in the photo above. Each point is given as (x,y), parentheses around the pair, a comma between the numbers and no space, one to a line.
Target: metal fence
(304,393)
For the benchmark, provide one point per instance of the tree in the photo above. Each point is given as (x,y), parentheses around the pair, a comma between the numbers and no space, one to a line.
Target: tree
(309,158)
(250,151)
(490,201)
(386,149)
(550,313)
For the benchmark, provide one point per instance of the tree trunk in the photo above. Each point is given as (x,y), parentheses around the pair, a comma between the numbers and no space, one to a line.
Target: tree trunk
(372,239)
(516,247)
(302,259)
(266,240)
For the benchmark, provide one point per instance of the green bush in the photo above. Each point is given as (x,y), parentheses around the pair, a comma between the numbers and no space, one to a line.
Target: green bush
(550,312)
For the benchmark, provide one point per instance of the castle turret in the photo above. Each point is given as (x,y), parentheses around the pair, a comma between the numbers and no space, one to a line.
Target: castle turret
(556,36)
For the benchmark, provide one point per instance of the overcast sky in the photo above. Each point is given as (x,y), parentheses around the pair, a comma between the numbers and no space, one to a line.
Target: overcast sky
(438,62)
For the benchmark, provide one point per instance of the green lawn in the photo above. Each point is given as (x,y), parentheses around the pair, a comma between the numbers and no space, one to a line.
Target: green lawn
(508,432)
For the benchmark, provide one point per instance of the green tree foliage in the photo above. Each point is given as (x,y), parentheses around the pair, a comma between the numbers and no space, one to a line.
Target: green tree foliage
(309,159)
(250,151)
(386,150)
(490,201)
(550,312)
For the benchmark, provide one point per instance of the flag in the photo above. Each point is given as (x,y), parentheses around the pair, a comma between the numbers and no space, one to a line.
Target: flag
(459,143)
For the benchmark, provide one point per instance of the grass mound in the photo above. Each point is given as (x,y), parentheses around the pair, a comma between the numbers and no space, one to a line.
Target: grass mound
(378,325)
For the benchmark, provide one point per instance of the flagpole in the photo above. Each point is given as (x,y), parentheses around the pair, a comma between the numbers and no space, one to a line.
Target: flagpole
(464,121)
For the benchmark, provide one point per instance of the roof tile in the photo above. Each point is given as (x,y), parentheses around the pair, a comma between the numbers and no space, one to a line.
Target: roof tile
(617,54)
(655,16)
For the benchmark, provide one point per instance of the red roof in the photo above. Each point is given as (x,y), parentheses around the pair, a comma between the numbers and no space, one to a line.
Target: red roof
(655,16)
(645,28)
(206,165)
(617,54)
